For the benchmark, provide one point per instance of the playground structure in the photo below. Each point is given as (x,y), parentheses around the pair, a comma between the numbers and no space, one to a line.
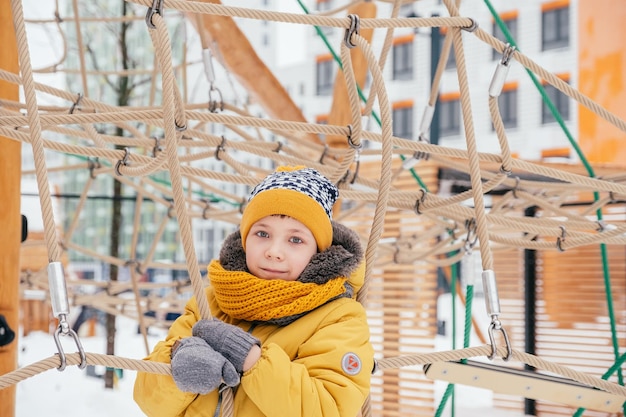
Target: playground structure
(409,226)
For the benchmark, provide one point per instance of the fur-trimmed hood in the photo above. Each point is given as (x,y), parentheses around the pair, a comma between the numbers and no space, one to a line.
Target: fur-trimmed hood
(344,258)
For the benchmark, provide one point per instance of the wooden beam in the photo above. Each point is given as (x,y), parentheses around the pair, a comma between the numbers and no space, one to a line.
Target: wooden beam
(240,58)
(10,217)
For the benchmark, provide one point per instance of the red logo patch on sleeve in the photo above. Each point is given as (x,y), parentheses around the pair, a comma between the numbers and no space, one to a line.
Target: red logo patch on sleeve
(351,363)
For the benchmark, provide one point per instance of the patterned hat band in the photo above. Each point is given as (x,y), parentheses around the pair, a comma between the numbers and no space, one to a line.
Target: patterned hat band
(306,181)
(298,192)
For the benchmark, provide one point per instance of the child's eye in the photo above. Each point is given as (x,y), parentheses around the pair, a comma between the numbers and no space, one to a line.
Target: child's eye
(262,233)
(295,239)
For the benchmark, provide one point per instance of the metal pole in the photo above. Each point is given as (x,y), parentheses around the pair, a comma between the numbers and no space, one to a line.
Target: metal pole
(530,298)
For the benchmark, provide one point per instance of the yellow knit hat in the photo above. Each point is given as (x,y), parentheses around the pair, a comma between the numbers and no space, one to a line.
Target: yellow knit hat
(298,192)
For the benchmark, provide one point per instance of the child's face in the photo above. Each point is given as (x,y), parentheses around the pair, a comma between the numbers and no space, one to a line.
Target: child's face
(279,247)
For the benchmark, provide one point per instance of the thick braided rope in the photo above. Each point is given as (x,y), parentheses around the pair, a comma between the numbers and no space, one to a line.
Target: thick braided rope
(308,19)
(496,118)
(53,362)
(163,50)
(385,174)
(589,183)
(160,40)
(472,150)
(35,132)
(382,58)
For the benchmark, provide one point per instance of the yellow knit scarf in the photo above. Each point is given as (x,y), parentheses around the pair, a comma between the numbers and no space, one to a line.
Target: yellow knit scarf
(244,296)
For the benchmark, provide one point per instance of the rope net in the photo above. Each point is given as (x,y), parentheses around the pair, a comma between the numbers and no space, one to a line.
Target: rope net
(161,146)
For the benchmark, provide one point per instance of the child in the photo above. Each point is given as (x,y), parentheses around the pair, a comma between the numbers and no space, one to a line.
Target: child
(286,331)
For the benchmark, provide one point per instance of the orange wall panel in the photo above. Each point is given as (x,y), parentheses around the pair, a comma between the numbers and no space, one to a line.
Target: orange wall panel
(602,77)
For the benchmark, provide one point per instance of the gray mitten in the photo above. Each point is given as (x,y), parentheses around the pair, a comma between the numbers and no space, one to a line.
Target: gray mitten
(229,340)
(197,368)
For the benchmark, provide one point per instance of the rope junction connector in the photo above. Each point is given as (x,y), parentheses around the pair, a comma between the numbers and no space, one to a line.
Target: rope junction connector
(180,128)
(76,103)
(157,7)
(205,210)
(357,160)
(321,160)
(123,161)
(354,28)
(427,118)
(171,211)
(561,239)
(157,146)
(501,72)
(60,310)
(472,236)
(220,148)
(92,165)
(353,145)
(471,27)
(420,201)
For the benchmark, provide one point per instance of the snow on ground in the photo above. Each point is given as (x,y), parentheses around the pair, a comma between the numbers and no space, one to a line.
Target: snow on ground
(72,393)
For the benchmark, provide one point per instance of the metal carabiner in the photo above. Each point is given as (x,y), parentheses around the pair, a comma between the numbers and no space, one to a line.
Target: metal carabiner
(65,330)
(213,104)
(496,325)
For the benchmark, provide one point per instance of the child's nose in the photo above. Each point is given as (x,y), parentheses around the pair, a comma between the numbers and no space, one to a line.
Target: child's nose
(275,250)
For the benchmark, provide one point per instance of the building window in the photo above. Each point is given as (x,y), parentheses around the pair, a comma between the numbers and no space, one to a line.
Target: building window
(449,114)
(406,10)
(324,72)
(554,25)
(560,101)
(507,103)
(325,6)
(403,58)
(510,21)
(402,118)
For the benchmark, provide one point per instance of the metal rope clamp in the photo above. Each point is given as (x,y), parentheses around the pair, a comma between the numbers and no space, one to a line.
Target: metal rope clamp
(353,29)
(492,302)
(214,105)
(157,8)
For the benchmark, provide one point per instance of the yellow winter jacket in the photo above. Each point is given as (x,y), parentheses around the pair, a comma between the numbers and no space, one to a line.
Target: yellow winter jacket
(318,366)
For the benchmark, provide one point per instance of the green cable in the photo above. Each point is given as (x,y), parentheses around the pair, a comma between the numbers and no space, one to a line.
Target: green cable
(442,404)
(607,374)
(466,332)
(596,196)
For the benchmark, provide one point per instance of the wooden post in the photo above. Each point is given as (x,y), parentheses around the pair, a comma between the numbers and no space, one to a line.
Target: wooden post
(10,219)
